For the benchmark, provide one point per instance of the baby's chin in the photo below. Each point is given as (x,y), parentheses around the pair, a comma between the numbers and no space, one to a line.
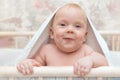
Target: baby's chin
(69,50)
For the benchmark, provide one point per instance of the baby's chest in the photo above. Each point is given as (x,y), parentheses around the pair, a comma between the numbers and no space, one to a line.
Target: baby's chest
(60,60)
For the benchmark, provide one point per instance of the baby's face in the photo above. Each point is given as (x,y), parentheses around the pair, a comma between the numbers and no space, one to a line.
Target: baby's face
(69,29)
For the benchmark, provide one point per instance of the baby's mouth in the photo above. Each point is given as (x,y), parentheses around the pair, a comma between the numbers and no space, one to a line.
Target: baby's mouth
(68,39)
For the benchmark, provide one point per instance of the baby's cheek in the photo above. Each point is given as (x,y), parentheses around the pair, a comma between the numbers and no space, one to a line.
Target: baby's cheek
(81,39)
(58,36)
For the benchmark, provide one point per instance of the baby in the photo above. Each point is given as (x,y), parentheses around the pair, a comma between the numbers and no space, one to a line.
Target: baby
(68,32)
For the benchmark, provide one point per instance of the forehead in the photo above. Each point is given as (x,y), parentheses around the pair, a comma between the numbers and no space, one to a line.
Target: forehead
(71,11)
(68,7)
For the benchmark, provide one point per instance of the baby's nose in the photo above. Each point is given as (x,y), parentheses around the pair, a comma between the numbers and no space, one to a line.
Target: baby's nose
(70,29)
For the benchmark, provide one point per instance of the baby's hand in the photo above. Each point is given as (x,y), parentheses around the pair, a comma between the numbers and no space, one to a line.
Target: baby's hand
(26,66)
(83,66)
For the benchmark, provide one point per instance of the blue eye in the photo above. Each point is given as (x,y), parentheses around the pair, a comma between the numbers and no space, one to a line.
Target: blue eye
(77,26)
(62,24)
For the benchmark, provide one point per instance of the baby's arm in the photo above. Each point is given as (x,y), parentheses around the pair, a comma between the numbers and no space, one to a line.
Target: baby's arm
(26,66)
(98,60)
(91,60)
(84,65)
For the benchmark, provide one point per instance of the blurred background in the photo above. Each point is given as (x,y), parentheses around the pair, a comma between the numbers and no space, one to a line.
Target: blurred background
(27,15)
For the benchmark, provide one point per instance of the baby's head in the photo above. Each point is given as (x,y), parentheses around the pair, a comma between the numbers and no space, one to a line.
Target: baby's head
(69,28)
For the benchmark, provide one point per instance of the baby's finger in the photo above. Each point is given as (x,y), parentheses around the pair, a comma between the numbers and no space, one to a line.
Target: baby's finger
(82,74)
(21,68)
(84,71)
(28,68)
(76,68)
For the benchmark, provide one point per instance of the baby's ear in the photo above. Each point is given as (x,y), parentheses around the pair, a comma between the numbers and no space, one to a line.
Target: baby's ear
(86,34)
(51,32)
